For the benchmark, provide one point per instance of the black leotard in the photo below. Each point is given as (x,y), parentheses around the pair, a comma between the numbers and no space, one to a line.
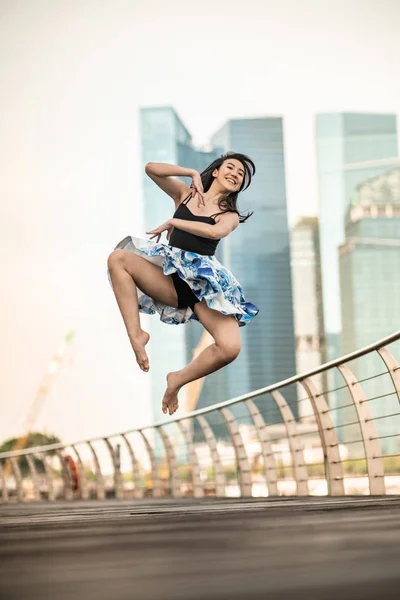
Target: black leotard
(192,243)
(189,241)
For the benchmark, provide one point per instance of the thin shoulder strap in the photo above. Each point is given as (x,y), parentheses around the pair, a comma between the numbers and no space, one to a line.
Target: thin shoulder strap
(186,200)
(218,213)
(222,212)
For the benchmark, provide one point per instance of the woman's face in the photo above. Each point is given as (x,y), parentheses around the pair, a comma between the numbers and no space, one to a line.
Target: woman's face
(230,175)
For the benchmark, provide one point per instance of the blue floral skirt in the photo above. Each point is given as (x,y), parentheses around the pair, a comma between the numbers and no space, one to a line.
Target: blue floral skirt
(207,278)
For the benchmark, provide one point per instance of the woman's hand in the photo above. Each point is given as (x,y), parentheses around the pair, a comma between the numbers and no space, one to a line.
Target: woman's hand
(156,233)
(197,189)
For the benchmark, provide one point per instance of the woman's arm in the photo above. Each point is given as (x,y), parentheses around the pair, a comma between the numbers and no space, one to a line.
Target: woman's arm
(163,175)
(225,225)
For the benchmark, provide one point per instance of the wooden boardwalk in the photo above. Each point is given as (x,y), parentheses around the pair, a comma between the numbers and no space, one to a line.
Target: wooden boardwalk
(286,548)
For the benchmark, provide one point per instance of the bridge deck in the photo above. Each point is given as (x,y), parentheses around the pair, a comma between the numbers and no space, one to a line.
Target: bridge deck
(291,548)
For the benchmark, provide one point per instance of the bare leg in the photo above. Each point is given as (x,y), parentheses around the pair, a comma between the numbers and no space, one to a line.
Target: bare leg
(225,331)
(126,271)
(125,292)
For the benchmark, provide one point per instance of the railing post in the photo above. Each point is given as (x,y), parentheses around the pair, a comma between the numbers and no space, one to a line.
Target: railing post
(138,490)
(295,446)
(4,490)
(215,457)
(242,461)
(266,449)
(100,487)
(172,464)
(329,440)
(49,476)
(34,477)
(393,368)
(65,475)
(18,478)
(197,484)
(154,470)
(372,447)
(118,485)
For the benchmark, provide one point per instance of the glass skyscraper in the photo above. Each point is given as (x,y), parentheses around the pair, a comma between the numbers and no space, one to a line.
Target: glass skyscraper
(308,305)
(258,253)
(350,149)
(165,139)
(370,288)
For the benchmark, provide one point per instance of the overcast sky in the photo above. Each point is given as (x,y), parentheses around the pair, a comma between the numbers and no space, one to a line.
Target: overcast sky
(73,75)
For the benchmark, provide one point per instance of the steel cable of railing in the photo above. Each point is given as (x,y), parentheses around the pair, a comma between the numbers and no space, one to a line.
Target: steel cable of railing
(267,429)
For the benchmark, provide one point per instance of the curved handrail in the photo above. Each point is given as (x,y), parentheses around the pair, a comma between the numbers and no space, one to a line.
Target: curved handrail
(215,407)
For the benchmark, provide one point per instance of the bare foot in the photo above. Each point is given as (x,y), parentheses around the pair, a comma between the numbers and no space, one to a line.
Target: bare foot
(138,343)
(170,401)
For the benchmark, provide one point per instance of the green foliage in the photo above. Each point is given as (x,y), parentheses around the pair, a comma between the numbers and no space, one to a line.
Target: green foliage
(185,472)
(34,439)
(391,465)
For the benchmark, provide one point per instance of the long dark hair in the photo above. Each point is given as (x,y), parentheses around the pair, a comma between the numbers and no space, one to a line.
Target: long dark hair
(229,204)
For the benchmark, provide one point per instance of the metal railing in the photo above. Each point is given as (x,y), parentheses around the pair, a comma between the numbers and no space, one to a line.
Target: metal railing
(334,430)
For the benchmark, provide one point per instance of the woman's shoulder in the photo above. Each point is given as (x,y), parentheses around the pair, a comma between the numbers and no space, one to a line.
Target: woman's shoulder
(226,214)
(185,194)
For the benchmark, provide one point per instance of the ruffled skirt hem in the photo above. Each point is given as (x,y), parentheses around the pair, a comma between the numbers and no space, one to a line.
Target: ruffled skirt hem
(207,278)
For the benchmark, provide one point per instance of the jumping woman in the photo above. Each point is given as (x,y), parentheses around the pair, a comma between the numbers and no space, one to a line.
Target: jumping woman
(182,280)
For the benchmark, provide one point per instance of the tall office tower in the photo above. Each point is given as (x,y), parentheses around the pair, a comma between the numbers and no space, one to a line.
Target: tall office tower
(214,388)
(350,149)
(308,306)
(258,254)
(370,285)
(165,139)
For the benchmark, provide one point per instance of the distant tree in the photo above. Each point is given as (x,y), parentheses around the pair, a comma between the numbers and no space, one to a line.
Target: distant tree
(34,439)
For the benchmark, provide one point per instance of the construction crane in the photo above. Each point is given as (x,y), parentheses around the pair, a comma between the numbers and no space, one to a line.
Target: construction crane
(53,367)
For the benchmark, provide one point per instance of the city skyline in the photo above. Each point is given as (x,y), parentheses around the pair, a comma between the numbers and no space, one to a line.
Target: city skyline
(209,151)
